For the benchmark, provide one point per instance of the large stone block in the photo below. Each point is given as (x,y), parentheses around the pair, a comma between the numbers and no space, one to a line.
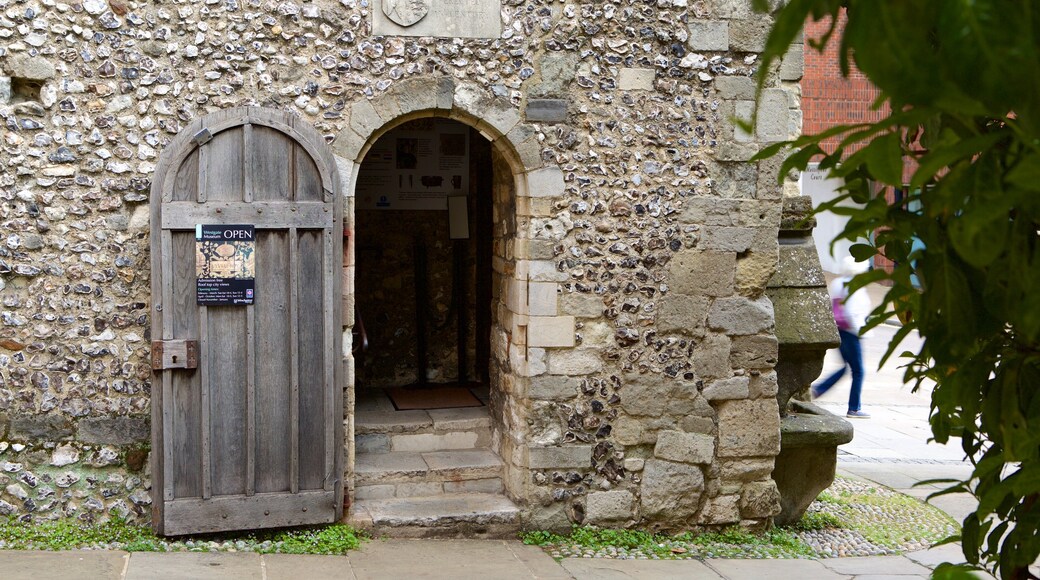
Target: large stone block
(697,273)
(575,362)
(711,357)
(708,35)
(546,182)
(722,509)
(636,79)
(550,331)
(728,389)
(40,428)
(582,305)
(745,470)
(737,315)
(745,213)
(773,116)
(557,72)
(749,34)
(685,447)
(749,428)
(573,457)
(735,88)
(753,352)
(546,110)
(671,490)
(726,239)
(126,430)
(792,65)
(681,313)
(35,68)
(754,270)
(553,387)
(759,499)
(654,395)
(608,506)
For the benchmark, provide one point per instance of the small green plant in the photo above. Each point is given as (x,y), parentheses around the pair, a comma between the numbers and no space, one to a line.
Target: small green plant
(812,521)
(69,534)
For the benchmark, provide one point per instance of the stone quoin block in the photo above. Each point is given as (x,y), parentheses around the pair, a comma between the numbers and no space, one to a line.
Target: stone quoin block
(636,79)
(550,331)
(574,457)
(708,35)
(685,447)
(608,506)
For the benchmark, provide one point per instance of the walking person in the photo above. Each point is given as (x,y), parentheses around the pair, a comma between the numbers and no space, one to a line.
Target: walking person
(850,314)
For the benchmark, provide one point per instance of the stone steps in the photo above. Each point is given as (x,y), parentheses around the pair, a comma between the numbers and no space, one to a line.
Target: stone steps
(409,474)
(422,431)
(454,515)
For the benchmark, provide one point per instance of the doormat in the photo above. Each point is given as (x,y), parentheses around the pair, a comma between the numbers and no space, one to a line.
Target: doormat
(433,398)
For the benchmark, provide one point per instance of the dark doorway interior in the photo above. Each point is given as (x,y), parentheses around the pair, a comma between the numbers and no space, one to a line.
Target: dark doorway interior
(423,281)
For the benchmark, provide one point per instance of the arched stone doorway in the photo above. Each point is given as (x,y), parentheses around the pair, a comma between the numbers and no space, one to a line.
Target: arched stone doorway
(520,306)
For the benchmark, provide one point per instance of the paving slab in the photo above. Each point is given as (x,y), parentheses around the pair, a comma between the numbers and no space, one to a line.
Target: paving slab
(450,560)
(890,576)
(607,569)
(891,565)
(732,569)
(306,567)
(32,565)
(193,566)
(442,510)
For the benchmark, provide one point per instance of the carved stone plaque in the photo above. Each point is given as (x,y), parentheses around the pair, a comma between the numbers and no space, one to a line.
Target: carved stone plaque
(406,12)
(443,18)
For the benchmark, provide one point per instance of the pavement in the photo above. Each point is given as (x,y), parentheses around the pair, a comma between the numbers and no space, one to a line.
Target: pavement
(891,448)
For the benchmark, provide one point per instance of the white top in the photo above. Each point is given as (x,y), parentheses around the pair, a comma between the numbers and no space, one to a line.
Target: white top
(857,306)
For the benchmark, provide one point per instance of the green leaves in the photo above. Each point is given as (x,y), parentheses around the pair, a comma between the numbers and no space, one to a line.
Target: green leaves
(960,82)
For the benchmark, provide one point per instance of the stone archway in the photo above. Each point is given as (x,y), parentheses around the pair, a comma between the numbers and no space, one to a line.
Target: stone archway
(527,280)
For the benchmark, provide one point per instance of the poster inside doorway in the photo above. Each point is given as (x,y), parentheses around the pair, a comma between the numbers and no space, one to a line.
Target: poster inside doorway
(225,265)
(416,167)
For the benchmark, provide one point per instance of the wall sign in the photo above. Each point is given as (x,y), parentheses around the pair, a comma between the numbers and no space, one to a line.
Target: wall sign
(416,167)
(225,265)
(442,18)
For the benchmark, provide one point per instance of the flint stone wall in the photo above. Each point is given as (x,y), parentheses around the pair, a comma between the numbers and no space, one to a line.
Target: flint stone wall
(660,411)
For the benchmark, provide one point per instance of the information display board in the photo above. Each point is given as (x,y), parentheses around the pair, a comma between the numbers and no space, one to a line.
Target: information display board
(225,265)
(416,167)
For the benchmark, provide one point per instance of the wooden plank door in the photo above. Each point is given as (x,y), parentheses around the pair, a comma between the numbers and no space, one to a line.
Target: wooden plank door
(251,437)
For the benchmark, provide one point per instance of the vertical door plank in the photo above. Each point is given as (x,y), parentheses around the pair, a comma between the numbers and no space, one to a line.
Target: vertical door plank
(312,349)
(227,376)
(205,364)
(272,155)
(331,356)
(250,363)
(247,163)
(224,181)
(294,357)
(185,404)
(308,181)
(273,365)
(186,182)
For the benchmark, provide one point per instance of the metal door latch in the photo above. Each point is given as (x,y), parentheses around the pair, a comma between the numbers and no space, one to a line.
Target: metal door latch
(175,354)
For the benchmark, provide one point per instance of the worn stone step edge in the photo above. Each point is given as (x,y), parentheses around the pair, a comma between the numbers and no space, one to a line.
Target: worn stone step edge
(436,511)
(376,491)
(443,472)
(422,441)
(416,422)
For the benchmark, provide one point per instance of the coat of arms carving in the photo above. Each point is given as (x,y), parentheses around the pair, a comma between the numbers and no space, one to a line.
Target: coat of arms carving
(406,12)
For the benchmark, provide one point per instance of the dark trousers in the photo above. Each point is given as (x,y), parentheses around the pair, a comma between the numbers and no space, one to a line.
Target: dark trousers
(853,355)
